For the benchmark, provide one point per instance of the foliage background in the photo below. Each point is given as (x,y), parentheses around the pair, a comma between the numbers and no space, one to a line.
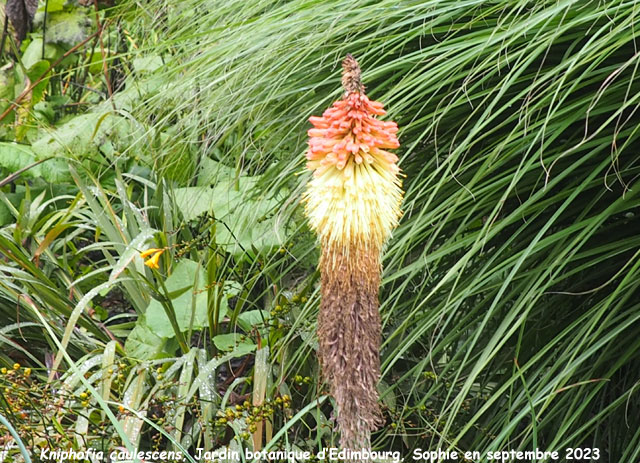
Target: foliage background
(510,292)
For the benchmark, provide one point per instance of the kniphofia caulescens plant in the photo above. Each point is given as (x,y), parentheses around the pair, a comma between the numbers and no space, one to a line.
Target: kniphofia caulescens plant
(353,204)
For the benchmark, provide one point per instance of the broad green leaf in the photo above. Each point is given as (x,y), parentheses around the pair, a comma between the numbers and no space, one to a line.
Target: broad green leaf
(144,64)
(81,137)
(181,282)
(33,53)
(232,288)
(250,319)
(244,223)
(6,216)
(96,60)
(142,342)
(35,72)
(52,6)
(68,28)
(212,172)
(7,83)
(14,156)
(387,394)
(233,342)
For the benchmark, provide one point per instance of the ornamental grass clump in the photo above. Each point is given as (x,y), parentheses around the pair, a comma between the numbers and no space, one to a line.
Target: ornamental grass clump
(353,204)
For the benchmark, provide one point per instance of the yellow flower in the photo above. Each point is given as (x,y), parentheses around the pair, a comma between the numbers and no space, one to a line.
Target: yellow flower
(153,261)
(148,252)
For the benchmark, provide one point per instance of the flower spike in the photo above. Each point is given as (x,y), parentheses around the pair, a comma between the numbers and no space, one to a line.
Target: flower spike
(352,203)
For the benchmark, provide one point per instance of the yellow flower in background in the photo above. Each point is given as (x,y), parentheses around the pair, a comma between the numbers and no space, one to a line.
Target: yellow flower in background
(148,252)
(155,254)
